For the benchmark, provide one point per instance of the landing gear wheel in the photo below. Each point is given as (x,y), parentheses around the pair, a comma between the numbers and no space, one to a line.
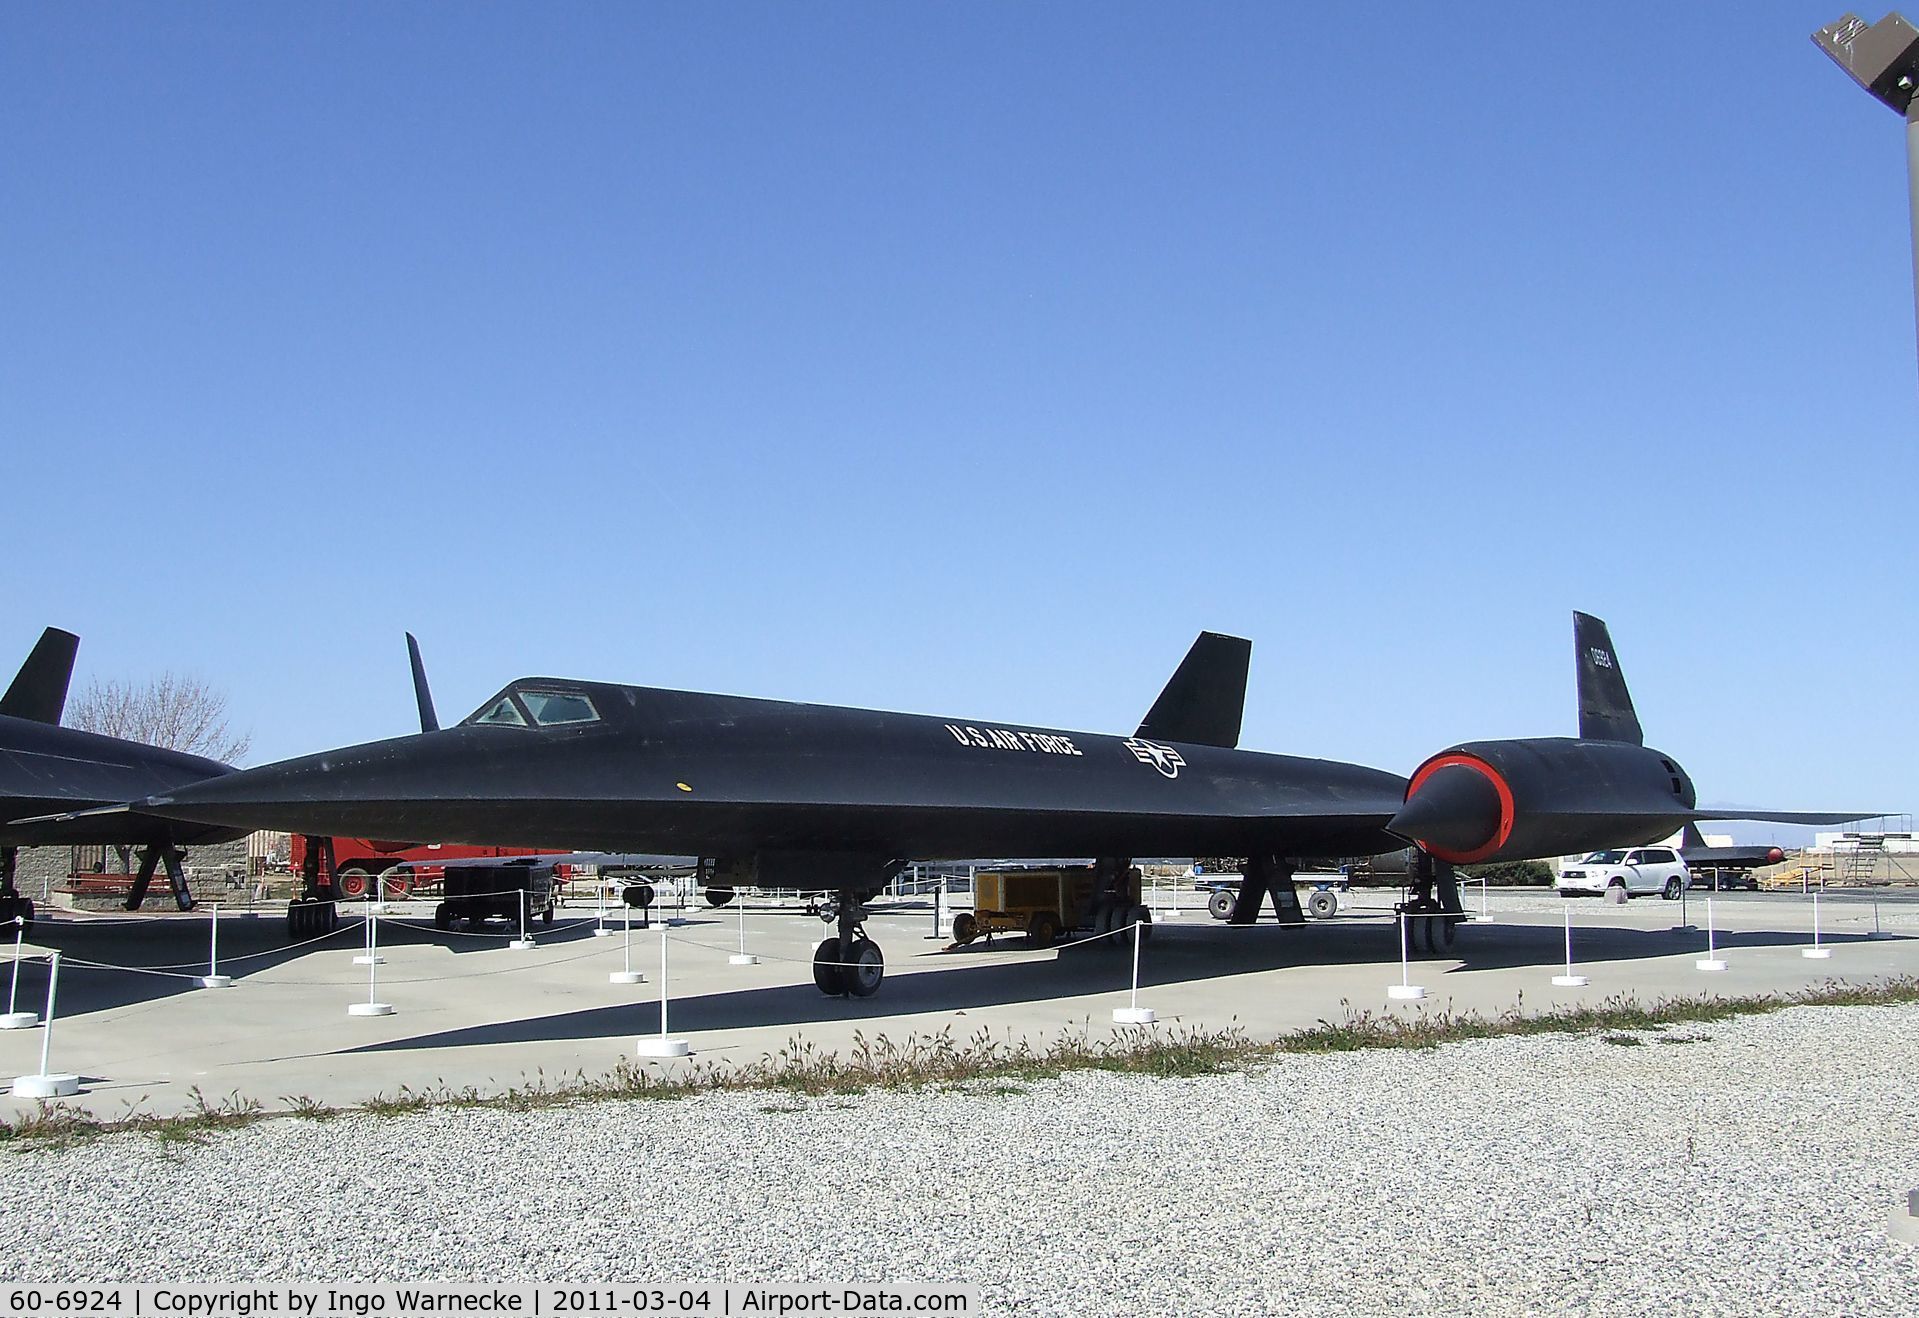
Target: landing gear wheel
(546,916)
(1321,905)
(965,928)
(352,883)
(827,972)
(1043,930)
(862,979)
(1137,915)
(717,896)
(1671,891)
(1103,913)
(1220,904)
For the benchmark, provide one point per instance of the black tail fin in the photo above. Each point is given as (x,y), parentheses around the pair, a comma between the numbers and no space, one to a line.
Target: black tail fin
(1206,698)
(1605,706)
(1690,836)
(422,694)
(39,690)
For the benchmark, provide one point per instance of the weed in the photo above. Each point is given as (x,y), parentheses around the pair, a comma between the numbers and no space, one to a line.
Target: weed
(979,1063)
(308,1107)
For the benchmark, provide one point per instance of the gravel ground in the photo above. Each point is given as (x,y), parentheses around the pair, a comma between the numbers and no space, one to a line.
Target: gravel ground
(1741,1167)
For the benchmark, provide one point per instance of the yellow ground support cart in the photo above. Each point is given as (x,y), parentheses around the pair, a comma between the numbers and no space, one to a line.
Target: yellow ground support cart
(1042,904)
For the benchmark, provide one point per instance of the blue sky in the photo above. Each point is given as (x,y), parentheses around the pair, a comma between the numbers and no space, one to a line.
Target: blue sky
(969,360)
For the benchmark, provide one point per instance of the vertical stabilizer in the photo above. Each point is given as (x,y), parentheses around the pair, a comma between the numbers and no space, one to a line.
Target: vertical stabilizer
(1206,698)
(1605,706)
(39,690)
(422,694)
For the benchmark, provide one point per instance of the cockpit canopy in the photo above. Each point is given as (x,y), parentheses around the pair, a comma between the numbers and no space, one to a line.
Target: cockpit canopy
(536,705)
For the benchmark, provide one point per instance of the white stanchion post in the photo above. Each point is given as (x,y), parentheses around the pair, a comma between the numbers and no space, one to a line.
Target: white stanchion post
(663,1048)
(524,942)
(1875,916)
(213,979)
(939,894)
(1712,960)
(1570,980)
(1404,989)
(1485,903)
(1685,924)
(1135,1014)
(370,937)
(372,1006)
(742,957)
(599,928)
(46,1084)
(629,975)
(17,1020)
(1817,952)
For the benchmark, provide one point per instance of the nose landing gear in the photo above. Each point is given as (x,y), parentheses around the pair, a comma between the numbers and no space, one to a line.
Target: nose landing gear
(849,964)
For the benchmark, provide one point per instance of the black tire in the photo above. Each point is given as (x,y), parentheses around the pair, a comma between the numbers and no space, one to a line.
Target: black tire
(442,917)
(827,973)
(1671,891)
(965,928)
(1103,912)
(1043,931)
(638,895)
(1322,904)
(1220,904)
(546,916)
(1142,917)
(864,977)
(717,896)
(299,920)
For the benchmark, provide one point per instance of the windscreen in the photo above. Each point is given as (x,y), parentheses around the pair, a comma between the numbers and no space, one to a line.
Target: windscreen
(553,707)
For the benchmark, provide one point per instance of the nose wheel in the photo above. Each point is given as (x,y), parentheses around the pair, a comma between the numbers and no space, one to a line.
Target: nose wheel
(849,964)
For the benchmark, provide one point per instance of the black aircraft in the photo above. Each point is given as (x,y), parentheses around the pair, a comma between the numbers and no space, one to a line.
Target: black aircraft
(811,796)
(46,768)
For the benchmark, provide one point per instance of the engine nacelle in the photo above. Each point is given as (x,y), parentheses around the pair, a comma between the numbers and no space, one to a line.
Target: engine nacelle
(1542,796)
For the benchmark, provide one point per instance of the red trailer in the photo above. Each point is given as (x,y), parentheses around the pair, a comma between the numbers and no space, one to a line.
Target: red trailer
(359,861)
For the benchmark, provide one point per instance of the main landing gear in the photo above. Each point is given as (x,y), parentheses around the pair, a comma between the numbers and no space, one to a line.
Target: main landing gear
(850,963)
(316,911)
(12,905)
(1263,875)
(151,857)
(1433,918)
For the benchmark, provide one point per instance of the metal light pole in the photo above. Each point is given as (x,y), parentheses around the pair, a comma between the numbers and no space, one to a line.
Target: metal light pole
(1883,58)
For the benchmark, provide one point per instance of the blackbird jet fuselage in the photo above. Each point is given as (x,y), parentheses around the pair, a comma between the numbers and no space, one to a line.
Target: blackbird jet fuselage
(811,796)
(712,775)
(53,781)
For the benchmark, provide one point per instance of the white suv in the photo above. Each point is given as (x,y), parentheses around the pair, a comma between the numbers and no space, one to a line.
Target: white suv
(1640,871)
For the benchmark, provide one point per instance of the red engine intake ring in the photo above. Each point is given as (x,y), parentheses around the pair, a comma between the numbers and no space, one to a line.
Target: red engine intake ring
(1500,788)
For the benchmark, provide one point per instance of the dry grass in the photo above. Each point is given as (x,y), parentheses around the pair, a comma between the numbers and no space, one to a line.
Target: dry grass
(980,1064)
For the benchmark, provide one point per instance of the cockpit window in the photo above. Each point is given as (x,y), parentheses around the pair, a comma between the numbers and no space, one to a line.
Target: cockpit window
(551,707)
(502,711)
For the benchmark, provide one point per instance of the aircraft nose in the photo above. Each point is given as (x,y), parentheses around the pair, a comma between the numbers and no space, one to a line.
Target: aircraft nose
(316,793)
